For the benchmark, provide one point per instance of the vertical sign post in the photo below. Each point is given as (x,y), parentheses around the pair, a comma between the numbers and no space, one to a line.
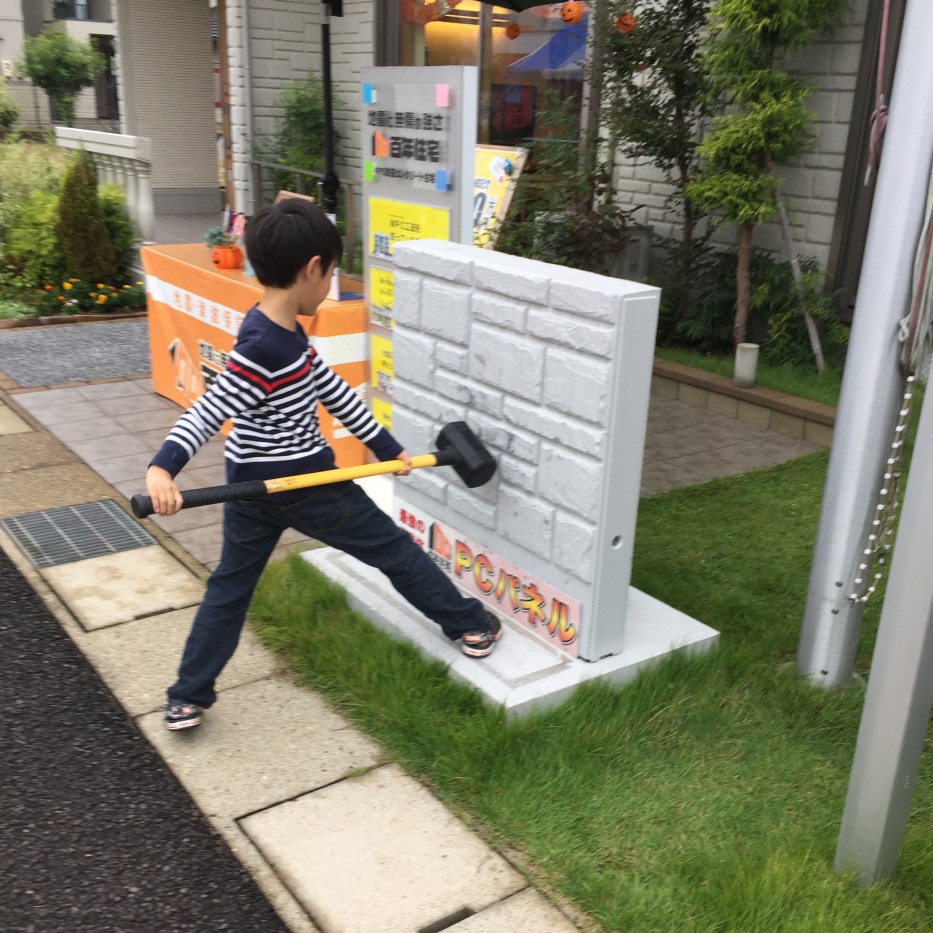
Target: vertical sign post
(418,156)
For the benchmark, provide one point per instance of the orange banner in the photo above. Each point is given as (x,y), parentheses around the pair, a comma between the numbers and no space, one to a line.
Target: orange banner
(195,311)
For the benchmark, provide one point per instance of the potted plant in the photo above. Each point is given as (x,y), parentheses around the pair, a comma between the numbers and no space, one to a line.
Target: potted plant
(225,254)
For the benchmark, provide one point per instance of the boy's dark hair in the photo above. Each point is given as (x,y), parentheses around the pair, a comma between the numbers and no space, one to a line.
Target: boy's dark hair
(283,237)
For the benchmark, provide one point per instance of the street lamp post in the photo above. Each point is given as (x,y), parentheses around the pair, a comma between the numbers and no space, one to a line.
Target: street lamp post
(330,183)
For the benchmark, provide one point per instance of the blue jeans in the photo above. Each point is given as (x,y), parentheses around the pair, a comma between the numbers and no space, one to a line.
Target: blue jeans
(340,515)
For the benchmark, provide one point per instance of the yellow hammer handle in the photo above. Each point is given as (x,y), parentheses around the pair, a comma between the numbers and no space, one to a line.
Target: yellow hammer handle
(305,480)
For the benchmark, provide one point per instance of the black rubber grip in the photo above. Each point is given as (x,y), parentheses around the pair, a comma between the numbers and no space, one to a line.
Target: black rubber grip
(208,495)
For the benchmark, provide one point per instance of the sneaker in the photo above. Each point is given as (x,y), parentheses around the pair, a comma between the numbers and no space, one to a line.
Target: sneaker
(179,715)
(479,644)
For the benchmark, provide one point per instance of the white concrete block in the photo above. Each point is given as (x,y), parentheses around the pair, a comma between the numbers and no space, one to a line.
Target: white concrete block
(524,673)
(436,258)
(570,480)
(593,337)
(570,432)
(445,311)
(499,312)
(526,520)
(574,545)
(577,384)
(379,853)
(406,306)
(413,356)
(508,362)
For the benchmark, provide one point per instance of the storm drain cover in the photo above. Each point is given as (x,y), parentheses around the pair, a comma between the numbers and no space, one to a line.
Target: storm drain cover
(75,532)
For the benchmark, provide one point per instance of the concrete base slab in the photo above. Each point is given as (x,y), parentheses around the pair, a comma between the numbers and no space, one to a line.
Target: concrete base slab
(271,741)
(524,673)
(121,587)
(11,423)
(138,660)
(527,911)
(379,852)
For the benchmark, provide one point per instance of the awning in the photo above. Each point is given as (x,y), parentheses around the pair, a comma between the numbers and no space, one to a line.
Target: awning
(560,56)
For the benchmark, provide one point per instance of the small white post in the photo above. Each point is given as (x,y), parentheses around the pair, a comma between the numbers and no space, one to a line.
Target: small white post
(746,364)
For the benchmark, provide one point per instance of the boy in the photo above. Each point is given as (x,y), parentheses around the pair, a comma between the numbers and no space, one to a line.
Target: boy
(270,388)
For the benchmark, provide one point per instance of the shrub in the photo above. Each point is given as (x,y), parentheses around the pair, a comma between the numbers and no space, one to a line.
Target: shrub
(9,111)
(26,167)
(32,246)
(87,251)
(119,227)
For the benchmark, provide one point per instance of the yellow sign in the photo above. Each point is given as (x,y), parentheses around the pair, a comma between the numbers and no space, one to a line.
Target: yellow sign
(381,296)
(391,222)
(382,412)
(381,370)
(497,171)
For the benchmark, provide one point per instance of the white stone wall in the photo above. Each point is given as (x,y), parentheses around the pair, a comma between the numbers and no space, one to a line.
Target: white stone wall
(830,66)
(551,367)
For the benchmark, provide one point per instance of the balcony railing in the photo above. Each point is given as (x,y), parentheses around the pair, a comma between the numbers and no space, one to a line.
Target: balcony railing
(124,160)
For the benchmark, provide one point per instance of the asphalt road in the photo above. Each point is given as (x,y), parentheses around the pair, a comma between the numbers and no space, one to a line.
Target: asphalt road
(96,834)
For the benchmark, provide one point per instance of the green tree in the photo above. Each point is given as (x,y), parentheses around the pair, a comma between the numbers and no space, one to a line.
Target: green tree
(87,250)
(766,120)
(655,97)
(62,67)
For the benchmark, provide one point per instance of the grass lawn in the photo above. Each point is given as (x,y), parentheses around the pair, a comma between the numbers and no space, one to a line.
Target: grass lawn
(705,796)
(818,387)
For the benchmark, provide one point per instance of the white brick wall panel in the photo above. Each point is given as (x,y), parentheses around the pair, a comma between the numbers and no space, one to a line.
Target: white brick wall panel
(552,426)
(505,361)
(574,545)
(570,481)
(497,272)
(577,385)
(452,358)
(518,473)
(416,432)
(499,311)
(453,388)
(414,356)
(578,334)
(407,298)
(584,294)
(485,400)
(527,521)
(427,404)
(445,311)
(433,483)
(466,503)
(496,434)
(439,263)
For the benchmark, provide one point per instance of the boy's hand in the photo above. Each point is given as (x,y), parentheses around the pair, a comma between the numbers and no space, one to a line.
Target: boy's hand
(165,495)
(403,456)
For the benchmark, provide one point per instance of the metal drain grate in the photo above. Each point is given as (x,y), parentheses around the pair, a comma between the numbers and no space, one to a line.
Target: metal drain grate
(75,532)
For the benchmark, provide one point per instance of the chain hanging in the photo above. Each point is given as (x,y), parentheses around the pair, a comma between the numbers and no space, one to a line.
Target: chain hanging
(874,556)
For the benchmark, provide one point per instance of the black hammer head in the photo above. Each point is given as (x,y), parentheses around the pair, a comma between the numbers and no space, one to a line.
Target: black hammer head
(460,448)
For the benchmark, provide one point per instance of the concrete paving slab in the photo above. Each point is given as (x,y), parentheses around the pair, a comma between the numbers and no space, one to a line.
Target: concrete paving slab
(138,660)
(122,587)
(30,450)
(380,853)
(65,414)
(104,448)
(11,423)
(120,388)
(51,487)
(98,425)
(523,674)
(262,744)
(525,912)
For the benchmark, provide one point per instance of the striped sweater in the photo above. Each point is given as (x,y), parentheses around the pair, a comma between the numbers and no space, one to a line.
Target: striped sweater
(270,389)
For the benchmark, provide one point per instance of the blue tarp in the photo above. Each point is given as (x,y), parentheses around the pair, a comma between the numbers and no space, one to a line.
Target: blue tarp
(561,56)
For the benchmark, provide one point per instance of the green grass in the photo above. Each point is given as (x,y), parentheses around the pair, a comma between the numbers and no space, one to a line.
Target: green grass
(13,310)
(818,387)
(705,796)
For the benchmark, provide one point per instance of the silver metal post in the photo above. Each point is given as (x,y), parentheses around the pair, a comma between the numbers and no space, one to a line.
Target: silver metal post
(872,383)
(900,689)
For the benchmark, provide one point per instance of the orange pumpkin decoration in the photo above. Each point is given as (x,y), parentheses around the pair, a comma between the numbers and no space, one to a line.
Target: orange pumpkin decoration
(513,31)
(227,257)
(625,23)
(571,12)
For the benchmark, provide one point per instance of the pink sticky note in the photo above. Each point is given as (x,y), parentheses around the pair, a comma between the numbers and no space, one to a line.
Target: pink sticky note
(442,95)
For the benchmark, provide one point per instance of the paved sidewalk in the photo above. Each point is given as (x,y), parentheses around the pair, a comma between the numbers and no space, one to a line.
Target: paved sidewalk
(336,837)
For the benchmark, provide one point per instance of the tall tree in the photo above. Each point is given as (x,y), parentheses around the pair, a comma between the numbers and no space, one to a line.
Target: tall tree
(62,67)
(766,121)
(656,98)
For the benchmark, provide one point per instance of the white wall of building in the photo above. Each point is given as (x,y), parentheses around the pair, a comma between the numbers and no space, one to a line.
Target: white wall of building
(830,67)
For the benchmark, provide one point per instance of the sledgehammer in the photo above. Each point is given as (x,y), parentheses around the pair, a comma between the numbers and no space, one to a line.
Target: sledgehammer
(457,447)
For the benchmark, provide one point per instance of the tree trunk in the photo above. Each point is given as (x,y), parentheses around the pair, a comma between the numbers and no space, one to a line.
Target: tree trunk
(743,284)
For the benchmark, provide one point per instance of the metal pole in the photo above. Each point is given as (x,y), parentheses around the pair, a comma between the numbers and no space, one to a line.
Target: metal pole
(872,383)
(900,689)
(330,184)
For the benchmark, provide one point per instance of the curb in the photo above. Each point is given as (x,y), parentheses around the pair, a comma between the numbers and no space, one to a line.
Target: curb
(50,320)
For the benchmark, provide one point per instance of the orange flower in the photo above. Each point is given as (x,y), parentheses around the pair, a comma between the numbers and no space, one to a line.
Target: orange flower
(101,299)
(48,288)
(67,286)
